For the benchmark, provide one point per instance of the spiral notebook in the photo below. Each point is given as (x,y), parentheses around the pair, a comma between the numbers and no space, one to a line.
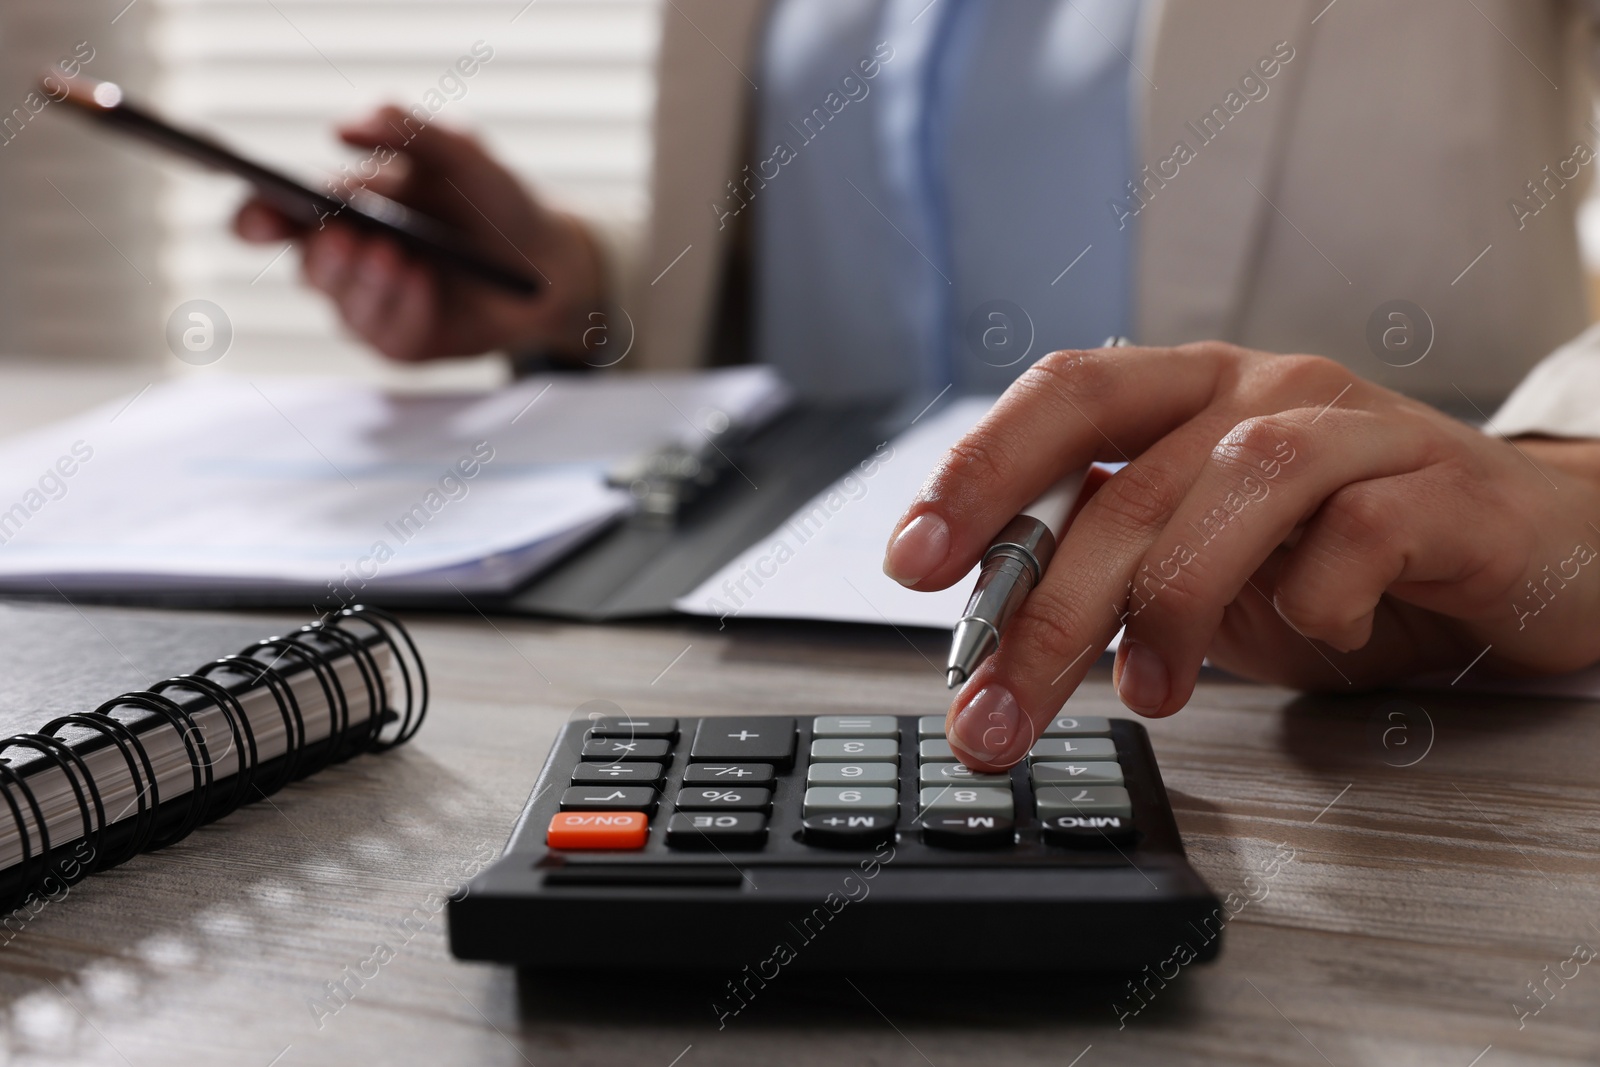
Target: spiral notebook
(89,782)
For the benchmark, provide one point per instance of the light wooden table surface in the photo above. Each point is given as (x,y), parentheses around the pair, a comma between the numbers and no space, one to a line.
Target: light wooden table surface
(1419,902)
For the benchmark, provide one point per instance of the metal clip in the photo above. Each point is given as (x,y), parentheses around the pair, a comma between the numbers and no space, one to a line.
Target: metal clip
(665,480)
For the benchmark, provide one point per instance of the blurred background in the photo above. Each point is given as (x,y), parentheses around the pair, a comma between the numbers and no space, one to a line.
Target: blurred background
(100,238)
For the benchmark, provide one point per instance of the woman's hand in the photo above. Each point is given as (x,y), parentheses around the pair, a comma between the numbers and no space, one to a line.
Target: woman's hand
(1294,523)
(401,305)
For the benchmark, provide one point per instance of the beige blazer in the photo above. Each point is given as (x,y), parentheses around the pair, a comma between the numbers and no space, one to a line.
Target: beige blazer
(1432,151)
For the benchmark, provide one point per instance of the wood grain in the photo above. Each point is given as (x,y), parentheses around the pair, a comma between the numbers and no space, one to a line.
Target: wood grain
(1418,903)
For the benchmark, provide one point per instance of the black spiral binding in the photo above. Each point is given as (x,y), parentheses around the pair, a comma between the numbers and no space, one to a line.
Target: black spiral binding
(223,779)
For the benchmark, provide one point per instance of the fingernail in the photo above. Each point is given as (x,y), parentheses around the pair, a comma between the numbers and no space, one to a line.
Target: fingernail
(918,550)
(1143,684)
(991,727)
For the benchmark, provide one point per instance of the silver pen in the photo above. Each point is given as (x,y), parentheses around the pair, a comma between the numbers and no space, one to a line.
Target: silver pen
(1012,566)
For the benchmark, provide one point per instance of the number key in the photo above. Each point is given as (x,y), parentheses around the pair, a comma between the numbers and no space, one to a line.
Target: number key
(1103,773)
(959,774)
(869,800)
(855,726)
(1078,726)
(852,774)
(1073,748)
(1053,800)
(836,749)
(964,800)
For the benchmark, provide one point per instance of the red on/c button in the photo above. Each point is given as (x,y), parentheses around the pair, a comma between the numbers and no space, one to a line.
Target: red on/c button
(598,829)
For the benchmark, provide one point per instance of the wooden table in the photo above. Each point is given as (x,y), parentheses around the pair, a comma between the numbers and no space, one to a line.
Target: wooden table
(1418,903)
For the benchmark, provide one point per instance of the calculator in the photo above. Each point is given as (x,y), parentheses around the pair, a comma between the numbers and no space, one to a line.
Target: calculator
(840,842)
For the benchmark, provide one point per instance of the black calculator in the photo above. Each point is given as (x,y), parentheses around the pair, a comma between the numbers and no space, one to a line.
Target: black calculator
(854,842)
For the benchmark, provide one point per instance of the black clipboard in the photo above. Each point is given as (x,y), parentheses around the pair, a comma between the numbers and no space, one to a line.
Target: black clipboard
(638,569)
(633,569)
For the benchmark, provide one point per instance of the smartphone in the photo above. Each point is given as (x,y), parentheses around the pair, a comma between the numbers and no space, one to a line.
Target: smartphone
(422,235)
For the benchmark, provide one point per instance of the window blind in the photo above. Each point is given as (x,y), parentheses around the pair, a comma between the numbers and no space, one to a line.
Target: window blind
(79,248)
(564,97)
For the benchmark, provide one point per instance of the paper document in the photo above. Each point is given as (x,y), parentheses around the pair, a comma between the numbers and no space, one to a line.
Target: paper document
(223,483)
(826,561)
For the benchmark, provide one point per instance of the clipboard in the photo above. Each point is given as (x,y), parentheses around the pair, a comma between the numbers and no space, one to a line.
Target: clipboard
(635,568)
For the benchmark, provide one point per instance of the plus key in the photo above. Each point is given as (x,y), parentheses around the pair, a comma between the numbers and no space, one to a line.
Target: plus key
(753,740)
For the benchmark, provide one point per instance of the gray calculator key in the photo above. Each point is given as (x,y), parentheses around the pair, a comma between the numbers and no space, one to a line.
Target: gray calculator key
(966,800)
(1072,748)
(855,726)
(868,800)
(959,774)
(1056,800)
(935,750)
(854,750)
(1087,831)
(1078,726)
(853,774)
(1076,774)
(930,726)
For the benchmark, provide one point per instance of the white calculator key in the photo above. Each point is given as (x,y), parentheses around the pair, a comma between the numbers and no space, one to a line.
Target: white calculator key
(853,774)
(1078,726)
(966,800)
(959,773)
(1073,748)
(854,750)
(855,726)
(849,800)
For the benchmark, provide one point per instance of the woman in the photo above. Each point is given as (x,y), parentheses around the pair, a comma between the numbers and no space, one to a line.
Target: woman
(902,197)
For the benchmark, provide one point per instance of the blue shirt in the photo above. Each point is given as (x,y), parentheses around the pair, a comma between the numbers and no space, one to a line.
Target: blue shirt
(931,187)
